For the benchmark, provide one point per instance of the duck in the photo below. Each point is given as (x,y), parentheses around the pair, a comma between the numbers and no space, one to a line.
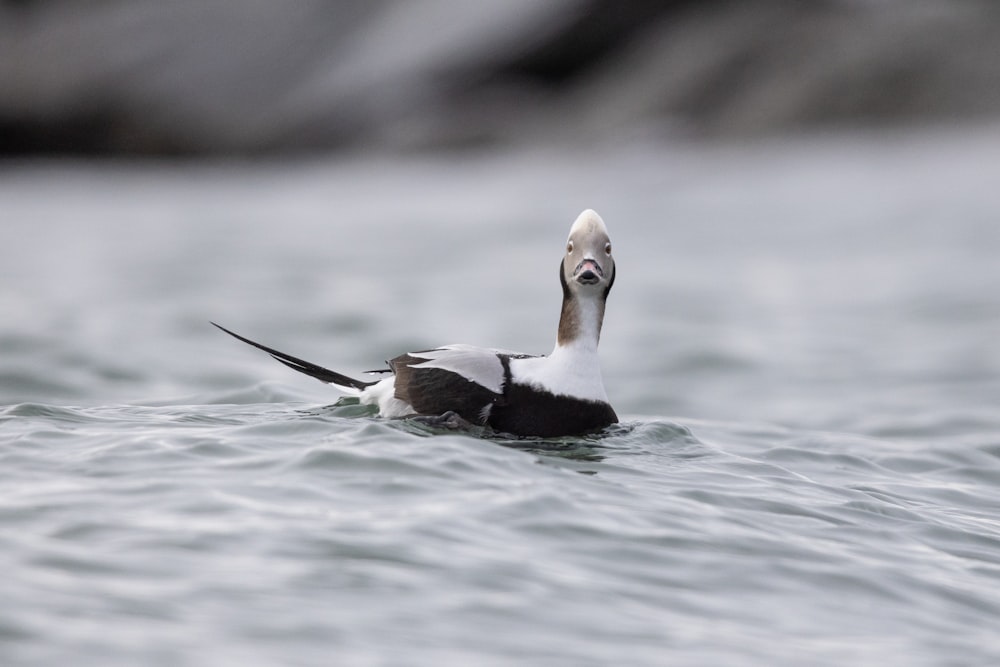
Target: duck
(525,395)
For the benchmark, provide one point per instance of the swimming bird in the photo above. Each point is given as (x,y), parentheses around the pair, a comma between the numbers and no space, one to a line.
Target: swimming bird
(520,394)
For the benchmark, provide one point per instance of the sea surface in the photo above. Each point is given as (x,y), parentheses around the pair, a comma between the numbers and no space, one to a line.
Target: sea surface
(803,343)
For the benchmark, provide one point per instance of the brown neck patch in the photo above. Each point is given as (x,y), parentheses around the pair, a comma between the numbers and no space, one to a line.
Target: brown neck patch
(570,325)
(569,322)
(569,318)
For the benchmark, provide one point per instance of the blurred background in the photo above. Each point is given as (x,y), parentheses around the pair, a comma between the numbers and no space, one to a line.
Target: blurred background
(210,77)
(803,195)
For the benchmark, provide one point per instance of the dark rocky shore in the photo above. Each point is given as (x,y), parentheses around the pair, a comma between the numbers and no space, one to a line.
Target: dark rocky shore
(145,77)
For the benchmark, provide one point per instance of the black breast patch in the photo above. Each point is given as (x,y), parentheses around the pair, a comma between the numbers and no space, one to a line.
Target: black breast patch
(525,410)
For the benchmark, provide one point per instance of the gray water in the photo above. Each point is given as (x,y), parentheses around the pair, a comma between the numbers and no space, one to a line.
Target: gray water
(802,343)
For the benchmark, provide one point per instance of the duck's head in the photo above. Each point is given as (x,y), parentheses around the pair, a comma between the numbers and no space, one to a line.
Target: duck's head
(588,268)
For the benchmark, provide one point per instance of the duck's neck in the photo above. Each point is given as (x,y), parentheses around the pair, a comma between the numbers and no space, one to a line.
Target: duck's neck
(573,368)
(580,323)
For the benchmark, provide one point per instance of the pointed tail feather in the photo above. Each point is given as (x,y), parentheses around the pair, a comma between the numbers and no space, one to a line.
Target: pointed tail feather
(318,372)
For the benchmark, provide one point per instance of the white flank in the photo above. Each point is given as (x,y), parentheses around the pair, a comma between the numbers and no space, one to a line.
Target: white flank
(383,394)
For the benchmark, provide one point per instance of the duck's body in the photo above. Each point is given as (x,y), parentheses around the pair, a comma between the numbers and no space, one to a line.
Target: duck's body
(546,396)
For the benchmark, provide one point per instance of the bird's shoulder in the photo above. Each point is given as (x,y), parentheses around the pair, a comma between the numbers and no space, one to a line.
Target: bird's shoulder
(486,366)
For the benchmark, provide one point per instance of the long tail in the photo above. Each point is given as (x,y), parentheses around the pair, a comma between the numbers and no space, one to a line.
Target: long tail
(318,372)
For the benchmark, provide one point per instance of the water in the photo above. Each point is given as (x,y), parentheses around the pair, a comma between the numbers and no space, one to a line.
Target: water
(802,342)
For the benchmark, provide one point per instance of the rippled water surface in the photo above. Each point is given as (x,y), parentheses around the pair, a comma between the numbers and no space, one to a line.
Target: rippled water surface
(802,342)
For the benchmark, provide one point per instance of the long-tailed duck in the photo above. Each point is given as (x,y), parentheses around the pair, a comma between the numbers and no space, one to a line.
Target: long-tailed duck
(520,394)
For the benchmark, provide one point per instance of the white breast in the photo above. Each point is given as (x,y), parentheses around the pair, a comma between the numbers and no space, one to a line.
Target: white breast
(571,370)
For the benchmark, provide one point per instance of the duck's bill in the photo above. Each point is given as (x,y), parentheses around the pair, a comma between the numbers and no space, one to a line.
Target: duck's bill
(588,272)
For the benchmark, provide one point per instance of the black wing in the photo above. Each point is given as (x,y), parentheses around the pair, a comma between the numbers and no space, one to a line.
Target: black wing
(434,391)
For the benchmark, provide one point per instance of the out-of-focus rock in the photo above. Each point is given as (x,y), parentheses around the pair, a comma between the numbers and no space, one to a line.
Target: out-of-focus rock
(252,76)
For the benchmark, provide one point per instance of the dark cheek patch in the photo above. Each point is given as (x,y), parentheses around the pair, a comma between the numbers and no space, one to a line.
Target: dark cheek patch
(611,281)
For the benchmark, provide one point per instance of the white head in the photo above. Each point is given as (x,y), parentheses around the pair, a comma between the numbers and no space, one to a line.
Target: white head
(587,269)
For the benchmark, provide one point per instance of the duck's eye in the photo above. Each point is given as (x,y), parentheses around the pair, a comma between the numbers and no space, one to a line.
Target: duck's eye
(607,248)
(569,247)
